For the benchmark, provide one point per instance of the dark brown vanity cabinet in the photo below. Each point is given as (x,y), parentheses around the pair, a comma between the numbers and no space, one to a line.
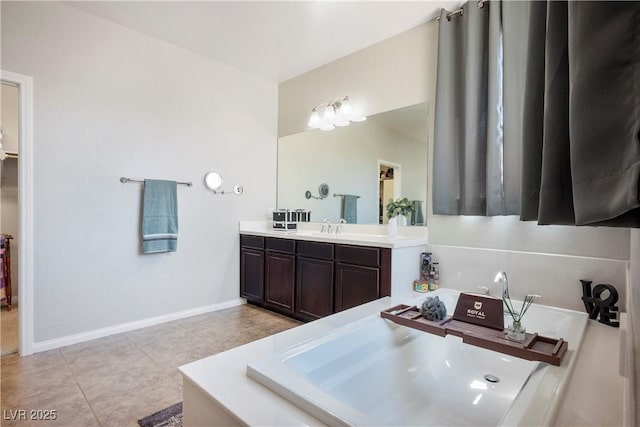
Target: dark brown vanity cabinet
(362,274)
(314,280)
(309,280)
(252,268)
(280,267)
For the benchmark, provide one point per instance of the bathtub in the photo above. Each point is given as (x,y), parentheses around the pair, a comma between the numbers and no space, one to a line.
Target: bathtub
(374,372)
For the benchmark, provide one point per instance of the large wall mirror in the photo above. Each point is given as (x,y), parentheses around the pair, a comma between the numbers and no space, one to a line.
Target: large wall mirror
(382,158)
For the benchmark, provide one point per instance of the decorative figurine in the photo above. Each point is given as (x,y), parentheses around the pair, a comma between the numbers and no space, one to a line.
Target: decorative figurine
(595,305)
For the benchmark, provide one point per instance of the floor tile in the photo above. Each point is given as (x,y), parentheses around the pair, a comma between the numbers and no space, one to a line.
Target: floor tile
(116,380)
(8,330)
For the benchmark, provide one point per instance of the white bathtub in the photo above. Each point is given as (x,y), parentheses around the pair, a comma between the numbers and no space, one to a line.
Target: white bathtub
(374,372)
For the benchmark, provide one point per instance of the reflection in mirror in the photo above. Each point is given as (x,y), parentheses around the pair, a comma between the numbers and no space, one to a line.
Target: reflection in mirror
(351,160)
(323,192)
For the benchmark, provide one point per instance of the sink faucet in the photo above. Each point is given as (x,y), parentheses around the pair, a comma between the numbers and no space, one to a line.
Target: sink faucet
(339,226)
(326,226)
(501,278)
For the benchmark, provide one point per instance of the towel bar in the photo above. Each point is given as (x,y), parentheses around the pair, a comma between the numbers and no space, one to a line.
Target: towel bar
(124,180)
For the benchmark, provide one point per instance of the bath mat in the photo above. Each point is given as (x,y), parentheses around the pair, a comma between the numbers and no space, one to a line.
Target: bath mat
(167,417)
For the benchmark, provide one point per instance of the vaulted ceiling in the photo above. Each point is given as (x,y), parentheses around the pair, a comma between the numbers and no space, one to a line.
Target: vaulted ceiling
(276,40)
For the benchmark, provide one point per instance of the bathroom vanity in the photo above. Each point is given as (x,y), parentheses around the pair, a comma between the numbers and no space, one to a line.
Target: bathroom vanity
(308,275)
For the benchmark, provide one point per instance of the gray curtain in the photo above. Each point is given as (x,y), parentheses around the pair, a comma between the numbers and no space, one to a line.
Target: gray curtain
(567,150)
(581,134)
(478,124)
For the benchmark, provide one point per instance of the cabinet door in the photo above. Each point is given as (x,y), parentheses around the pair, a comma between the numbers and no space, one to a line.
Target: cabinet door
(252,274)
(356,285)
(280,281)
(314,288)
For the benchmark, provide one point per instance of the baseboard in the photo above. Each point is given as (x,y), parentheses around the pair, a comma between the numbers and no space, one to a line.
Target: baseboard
(130,326)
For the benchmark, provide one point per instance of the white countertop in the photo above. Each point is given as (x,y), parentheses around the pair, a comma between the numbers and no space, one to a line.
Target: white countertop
(352,234)
(223,379)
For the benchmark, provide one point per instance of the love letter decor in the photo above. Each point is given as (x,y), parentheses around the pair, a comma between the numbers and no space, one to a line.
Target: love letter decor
(595,305)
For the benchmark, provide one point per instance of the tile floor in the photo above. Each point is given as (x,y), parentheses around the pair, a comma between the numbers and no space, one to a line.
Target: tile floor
(116,380)
(8,330)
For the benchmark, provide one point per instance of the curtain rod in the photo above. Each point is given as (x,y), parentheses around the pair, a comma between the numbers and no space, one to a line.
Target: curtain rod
(124,180)
(460,11)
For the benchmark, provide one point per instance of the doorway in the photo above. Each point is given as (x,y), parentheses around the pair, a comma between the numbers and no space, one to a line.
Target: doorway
(16,210)
(9,234)
(390,186)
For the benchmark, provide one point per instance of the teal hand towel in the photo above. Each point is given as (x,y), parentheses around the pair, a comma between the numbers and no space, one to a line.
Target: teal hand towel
(159,216)
(350,208)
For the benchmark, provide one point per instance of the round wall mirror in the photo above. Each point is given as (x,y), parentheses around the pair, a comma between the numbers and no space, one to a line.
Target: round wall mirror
(323,190)
(213,181)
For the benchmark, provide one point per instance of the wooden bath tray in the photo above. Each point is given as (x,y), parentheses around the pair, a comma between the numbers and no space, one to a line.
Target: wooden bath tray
(534,347)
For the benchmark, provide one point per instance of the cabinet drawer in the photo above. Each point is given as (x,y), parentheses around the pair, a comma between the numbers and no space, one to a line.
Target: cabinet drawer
(281,245)
(359,255)
(315,250)
(256,242)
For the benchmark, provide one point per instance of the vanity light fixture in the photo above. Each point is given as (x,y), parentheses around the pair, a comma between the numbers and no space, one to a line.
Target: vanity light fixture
(338,112)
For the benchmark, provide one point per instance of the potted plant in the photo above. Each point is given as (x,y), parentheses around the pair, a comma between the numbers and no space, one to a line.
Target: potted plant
(400,208)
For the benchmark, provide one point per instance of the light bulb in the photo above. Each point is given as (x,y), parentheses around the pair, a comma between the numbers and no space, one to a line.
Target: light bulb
(329,114)
(328,127)
(314,120)
(359,119)
(346,108)
(343,123)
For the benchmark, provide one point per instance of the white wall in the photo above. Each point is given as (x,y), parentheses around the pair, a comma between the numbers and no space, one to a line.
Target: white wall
(634,309)
(110,102)
(388,75)
(402,71)
(307,159)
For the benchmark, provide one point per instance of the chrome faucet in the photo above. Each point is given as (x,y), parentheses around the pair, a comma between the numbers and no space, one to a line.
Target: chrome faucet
(326,226)
(339,226)
(501,278)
